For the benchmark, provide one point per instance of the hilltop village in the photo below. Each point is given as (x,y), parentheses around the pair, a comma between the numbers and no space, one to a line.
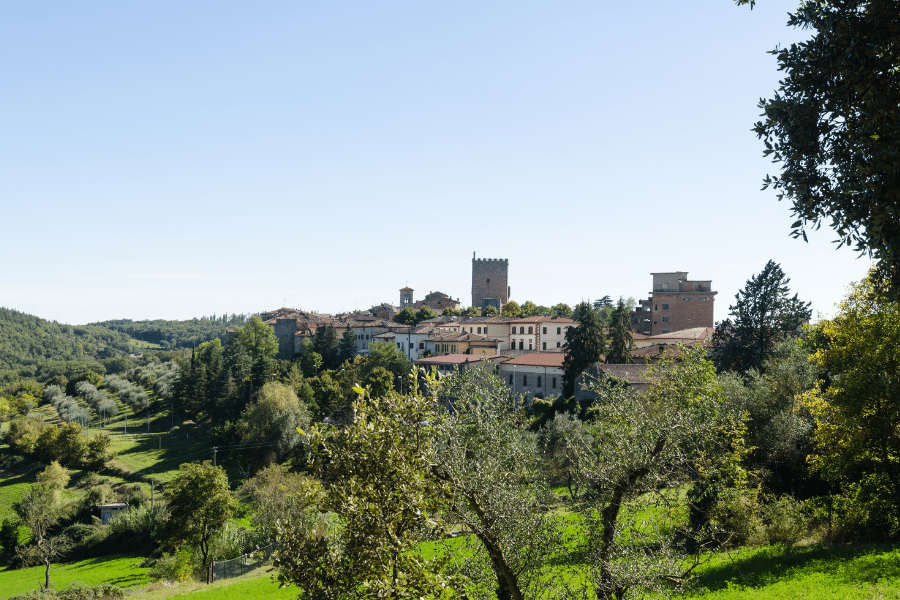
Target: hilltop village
(525,352)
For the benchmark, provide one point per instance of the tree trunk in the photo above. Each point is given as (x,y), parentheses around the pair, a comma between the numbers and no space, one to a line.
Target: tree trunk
(47,573)
(507,579)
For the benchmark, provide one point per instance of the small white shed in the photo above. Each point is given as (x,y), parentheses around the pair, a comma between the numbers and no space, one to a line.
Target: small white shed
(108,512)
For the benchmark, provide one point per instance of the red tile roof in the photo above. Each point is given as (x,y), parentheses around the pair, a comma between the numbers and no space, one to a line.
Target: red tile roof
(539,359)
(457,359)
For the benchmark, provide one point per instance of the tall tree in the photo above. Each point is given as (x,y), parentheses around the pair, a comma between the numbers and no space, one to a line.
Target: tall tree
(834,125)
(763,314)
(40,510)
(620,336)
(857,415)
(584,347)
(200,504)
(326,344)
(347,347)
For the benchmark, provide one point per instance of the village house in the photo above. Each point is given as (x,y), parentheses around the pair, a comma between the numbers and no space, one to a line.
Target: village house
(535,375)
(456,363)
(542,332)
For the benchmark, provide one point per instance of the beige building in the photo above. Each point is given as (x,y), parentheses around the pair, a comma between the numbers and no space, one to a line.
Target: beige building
(543,333)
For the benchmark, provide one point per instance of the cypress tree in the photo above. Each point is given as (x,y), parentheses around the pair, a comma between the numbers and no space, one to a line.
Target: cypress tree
(584,347)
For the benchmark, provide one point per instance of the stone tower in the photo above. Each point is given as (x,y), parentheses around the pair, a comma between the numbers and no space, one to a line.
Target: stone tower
(406,297)
(490,281)
(284,332)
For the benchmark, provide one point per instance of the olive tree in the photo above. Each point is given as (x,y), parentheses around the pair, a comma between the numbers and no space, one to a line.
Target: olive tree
(640,447)
(496,487)
(376,483)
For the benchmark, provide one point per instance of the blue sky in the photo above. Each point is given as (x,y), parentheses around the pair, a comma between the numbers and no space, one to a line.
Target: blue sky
(179,159)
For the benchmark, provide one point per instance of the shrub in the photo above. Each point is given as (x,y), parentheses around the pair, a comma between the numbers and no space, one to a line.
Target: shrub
(9,535)
(784,521)
(75,591)
(735,517)
(79,532)
(174,567)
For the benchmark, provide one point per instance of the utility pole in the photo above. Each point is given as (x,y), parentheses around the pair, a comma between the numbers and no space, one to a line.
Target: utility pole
(214,455)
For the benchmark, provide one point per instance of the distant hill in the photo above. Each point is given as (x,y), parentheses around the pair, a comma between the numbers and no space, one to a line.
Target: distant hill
(34,347)
(176,334)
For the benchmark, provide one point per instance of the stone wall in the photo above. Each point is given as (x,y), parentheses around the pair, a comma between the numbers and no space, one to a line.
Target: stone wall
(285,328)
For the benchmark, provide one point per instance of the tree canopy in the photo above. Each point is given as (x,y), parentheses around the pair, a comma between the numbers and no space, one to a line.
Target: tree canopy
(833,125)
(584,347)
(858,413)
(763,314)
(200,504)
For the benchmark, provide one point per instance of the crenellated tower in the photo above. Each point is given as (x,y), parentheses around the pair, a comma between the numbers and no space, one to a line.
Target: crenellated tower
(490,282)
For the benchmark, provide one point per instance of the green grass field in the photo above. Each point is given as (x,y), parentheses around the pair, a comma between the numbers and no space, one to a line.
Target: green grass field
(118,570)
(814,573)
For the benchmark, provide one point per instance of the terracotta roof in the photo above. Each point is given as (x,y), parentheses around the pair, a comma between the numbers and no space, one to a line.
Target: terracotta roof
(460,337)
(406,289)
(694,333)
(655,350)
(630,373)
(538,359)
(457,359)
(543,319)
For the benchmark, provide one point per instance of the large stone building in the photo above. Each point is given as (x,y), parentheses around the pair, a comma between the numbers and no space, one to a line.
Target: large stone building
(674,304)
(490,282)
(436,301)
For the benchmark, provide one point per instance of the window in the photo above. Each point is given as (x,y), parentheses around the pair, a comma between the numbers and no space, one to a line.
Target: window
(521,331)
(558,330)
(557,344)
(553,383)
(524,379)
(421,345)
(539,381)
(665,307)
(488,280)
(470,330)
(521,345)
(530,330)
(398,345)
(510,380)
(665,285)
(545,345)
(410,345)
(529,344)
(665,319)
(479,330)
(545,331)
(453,348)
(687,299)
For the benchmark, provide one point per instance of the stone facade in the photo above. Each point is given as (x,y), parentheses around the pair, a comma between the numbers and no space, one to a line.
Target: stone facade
(285,328)
(490,280)
(406,297)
